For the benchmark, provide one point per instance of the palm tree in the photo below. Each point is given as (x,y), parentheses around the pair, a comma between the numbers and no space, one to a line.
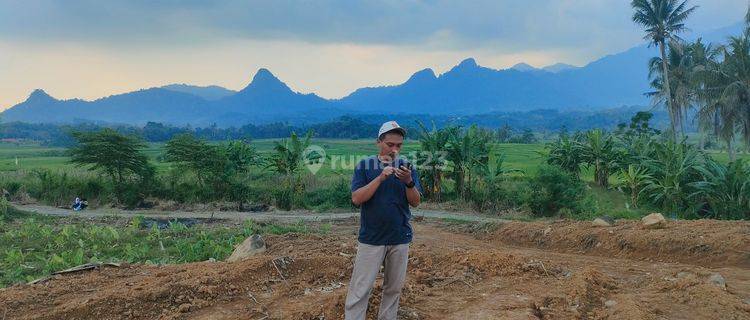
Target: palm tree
(680,66)
(704,59)
(662,20)
(727,91)
(735,90)
(723,120)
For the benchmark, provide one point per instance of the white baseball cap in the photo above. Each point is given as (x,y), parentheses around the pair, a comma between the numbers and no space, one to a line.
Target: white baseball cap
(390,126)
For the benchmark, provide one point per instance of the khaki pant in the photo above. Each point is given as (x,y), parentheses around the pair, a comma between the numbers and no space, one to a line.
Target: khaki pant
(366,268)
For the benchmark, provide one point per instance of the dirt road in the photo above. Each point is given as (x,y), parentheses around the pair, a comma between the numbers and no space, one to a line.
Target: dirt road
(514,270)
(235,215)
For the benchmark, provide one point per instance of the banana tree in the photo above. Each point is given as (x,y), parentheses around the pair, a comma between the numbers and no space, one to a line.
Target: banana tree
(287,159)
(633,179)
(565,153)
(432,159)
(467,150)
(598,151)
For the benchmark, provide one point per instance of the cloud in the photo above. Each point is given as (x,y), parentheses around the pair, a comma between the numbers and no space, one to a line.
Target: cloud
(501,24)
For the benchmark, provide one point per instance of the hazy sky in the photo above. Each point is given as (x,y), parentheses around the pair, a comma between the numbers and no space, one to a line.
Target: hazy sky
(93,48)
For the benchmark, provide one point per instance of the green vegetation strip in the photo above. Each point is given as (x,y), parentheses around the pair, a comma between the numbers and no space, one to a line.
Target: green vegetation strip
(33,246)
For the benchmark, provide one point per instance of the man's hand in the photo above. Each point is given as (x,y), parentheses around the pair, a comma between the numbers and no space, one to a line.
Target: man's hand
(387,171)
(404,174)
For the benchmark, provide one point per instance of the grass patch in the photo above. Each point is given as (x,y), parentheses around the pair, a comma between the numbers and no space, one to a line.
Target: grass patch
(456,221)
(33,246)
(473,227)
(610,202)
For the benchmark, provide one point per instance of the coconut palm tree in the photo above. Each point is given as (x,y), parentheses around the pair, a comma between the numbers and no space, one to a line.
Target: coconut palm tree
(662,20)
(726,119)
(704,59)
(727,91)
(735,89)
(680,66)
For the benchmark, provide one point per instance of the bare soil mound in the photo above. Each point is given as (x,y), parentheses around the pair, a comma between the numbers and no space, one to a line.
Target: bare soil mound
(699,242)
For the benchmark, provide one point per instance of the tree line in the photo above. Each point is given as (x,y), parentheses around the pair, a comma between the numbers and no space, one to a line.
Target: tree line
(516,127)
(64,135)
(199,170)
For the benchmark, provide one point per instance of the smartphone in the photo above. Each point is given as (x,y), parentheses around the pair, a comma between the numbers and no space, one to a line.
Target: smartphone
(407,165)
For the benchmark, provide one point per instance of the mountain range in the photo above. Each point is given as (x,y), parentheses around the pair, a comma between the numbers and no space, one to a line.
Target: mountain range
(466,89)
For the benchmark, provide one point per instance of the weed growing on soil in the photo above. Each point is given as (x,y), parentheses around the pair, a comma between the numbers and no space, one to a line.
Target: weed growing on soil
(36,246)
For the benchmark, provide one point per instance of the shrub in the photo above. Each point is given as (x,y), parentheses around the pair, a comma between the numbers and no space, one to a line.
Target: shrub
(337,195)
(673,167)
(283,198)
(724,190)
(553,189)
(499,194)
(12,187)
(131,195)
(61,187)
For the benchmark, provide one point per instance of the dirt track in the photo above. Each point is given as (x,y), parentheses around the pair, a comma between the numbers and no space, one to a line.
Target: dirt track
(235,215)
(547,270)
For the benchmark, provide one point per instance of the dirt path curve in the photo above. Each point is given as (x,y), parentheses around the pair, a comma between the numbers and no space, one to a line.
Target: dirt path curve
(235,215)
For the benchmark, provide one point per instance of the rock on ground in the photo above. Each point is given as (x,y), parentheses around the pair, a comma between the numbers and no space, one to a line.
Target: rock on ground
(604,221)
(654,221)
(251,246)
(718,280)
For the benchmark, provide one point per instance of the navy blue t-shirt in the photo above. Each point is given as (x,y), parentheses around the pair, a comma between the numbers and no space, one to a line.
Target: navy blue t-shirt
(384,219)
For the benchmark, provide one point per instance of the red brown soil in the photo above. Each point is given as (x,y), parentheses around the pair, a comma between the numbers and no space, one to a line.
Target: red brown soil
(508,272)
(700,242)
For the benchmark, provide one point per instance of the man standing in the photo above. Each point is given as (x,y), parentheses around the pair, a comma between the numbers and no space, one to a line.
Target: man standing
(384,186)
